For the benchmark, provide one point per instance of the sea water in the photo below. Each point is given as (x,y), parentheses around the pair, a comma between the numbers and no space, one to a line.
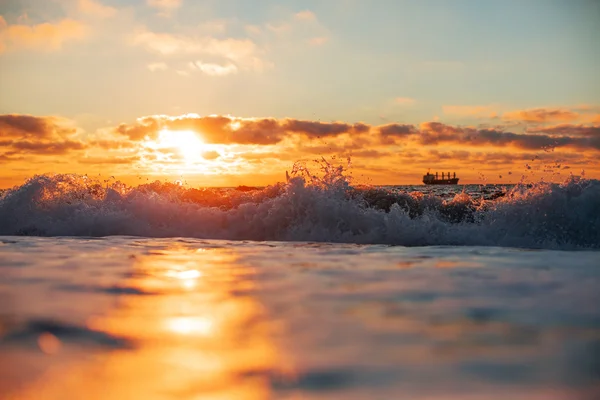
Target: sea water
(309,289)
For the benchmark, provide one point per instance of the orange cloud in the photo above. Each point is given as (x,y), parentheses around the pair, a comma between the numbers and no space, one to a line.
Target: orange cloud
(227,130)
(433,133)
(568,130)
(24,127)
(594,118)
(26,134)
(242,146)
(270,131)
(47,148)
(45,36)
(391,132)
(542,115)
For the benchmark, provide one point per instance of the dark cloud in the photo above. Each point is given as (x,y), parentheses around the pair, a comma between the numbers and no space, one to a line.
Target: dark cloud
(147,126)
(9,157)
(316,128)
(29,135)
(435,132)
(29,127)
(568,130)
(260,131)
(47,148)
(398,130)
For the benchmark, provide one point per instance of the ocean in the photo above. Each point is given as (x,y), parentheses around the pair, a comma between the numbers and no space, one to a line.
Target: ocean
(309,289)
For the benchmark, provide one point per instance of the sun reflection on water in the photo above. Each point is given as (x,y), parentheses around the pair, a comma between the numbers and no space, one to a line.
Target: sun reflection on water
(190,325)
(187,278)
(186,343)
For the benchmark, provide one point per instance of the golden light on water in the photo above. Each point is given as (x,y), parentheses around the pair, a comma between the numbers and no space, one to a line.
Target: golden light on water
(188,278)
(190,325)
(188,335)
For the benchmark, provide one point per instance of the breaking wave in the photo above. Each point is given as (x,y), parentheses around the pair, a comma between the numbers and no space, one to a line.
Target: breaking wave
(307,208)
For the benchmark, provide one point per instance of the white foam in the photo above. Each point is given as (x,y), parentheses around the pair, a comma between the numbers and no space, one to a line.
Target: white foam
(544,215)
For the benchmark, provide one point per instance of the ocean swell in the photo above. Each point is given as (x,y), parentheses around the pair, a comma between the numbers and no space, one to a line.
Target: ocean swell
(542,215)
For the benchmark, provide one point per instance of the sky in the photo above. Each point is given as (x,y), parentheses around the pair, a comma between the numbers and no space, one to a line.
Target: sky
(230,92)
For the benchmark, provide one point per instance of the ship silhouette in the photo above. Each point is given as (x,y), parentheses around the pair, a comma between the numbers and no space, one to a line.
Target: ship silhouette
(431,179)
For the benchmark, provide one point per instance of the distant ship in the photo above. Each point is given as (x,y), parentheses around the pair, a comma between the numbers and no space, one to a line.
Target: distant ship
(431,179)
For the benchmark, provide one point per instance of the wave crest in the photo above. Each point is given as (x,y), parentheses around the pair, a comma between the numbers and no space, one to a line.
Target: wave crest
(307,208)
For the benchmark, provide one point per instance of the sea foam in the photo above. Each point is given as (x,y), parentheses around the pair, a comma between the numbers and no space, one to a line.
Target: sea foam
(306,208)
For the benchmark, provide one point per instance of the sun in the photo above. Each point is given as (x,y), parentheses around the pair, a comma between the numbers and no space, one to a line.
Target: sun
(189,143)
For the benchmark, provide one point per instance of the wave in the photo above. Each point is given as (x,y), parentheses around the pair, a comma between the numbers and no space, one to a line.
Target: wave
(541,215)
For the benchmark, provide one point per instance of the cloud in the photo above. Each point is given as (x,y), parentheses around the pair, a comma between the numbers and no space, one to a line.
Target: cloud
(157,66)
(229,130)
(542,115)
(397,130)
(319,129)
(433,133)
(47,148)
(96,8)
(470,111)
(270,131)
(28,137)
(45,37)
(215,69)
(305,15)
(595,119)
(568,130)
(144,126)
(26,134)
(242,52)
(17,126)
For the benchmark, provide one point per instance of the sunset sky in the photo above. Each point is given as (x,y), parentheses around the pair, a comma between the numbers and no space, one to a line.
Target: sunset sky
(230,92)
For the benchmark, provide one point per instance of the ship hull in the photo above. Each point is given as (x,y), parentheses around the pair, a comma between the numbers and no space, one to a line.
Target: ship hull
(453,181)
